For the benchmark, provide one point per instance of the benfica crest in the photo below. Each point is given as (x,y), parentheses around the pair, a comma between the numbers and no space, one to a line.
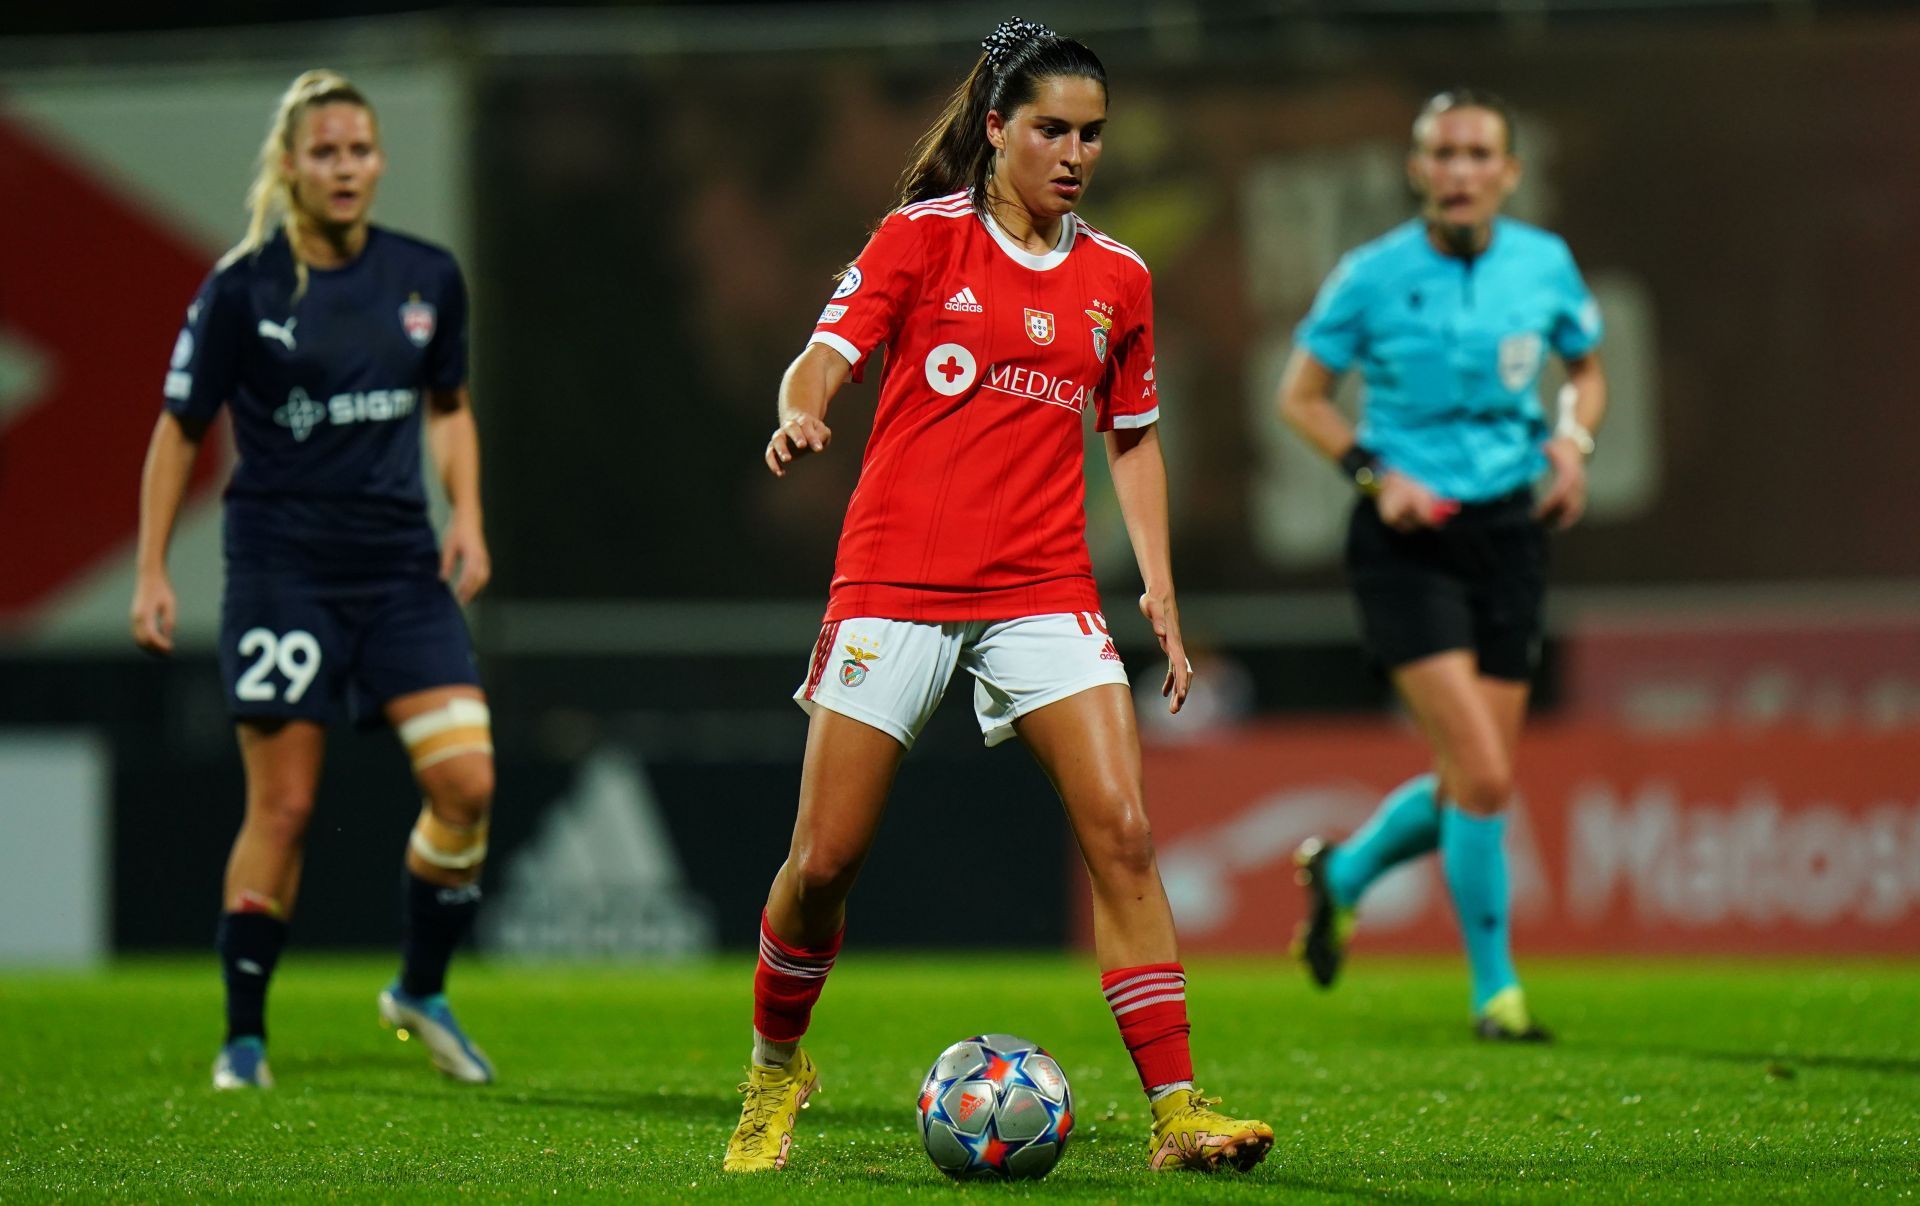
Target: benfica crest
(417,320)
(853,671)
(1040,327)
(1102,323)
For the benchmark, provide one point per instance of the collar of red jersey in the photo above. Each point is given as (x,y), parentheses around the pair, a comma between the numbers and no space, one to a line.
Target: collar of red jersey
(1069,229)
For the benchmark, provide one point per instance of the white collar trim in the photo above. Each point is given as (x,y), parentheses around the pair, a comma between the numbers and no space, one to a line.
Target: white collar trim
(1069,229)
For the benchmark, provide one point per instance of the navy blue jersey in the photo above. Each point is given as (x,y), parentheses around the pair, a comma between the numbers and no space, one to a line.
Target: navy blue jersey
(326,393)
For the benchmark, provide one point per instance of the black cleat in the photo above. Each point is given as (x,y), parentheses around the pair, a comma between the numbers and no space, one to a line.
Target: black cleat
(1321,940)
(1505,1020)
(1488,1030)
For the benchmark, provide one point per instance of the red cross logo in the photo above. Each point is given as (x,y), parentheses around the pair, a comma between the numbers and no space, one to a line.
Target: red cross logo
(950,369)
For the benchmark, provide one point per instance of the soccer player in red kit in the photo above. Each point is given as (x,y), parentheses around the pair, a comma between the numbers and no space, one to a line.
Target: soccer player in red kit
(1004,317)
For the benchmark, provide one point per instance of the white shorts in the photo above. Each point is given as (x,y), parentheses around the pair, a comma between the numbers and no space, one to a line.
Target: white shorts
(891,674)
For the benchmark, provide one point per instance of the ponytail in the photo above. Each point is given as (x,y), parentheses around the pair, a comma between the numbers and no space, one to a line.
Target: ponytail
(270,197)
(954,154)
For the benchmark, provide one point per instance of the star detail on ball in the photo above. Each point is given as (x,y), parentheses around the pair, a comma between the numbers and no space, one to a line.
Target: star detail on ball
(1009,1070)
(986,1150)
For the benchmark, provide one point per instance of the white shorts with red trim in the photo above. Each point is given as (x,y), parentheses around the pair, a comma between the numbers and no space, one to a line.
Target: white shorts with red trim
(891,674)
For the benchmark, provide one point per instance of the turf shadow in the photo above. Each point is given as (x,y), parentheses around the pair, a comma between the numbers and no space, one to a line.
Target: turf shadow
(680,1106)
(1779,1064)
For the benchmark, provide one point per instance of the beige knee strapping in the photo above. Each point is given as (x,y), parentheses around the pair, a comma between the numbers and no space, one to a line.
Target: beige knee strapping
(448,846)
(461,726)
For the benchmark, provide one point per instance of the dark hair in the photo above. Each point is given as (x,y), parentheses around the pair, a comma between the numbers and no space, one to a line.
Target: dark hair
(1016,56)
(1469,98)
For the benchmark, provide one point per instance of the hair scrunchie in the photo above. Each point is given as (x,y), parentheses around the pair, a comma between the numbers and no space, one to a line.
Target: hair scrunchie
(1009,36)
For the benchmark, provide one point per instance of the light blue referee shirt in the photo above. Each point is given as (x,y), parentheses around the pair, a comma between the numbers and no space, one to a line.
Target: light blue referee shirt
(1451,349)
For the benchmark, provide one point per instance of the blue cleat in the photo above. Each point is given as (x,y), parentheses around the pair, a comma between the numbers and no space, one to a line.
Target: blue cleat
(242,1064)
(432,1019)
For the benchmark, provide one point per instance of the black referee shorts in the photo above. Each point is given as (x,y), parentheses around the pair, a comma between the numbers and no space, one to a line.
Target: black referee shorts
(1477,582)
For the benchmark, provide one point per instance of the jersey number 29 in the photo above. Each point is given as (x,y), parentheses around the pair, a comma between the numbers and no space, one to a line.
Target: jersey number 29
(296,655)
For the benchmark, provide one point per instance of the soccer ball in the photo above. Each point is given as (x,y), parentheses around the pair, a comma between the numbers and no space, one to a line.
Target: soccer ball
(995,1106)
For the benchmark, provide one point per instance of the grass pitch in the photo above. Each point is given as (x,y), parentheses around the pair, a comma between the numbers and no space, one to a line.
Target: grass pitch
(1729,1081)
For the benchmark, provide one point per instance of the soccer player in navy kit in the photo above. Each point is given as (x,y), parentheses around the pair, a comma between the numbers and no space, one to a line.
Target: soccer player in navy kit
(1448,317)
(334,343)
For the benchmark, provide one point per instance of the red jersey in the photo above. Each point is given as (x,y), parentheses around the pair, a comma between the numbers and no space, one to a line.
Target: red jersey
(971,503)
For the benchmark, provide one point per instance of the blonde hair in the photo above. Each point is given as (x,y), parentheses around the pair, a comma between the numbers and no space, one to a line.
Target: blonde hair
(270,196)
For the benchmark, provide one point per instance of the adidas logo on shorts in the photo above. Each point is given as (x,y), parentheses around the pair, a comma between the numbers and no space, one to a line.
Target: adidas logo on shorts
(965,302)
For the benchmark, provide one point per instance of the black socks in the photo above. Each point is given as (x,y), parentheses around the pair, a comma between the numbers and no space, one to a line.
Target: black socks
(433,921)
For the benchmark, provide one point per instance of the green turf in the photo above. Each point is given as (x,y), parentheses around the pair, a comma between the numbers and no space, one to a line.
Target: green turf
(1676,1081)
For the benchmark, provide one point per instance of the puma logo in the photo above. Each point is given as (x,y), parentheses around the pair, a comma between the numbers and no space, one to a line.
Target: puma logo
(270,329)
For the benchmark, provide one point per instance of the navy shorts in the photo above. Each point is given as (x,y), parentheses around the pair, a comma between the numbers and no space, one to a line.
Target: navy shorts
(298,649)
(1478,583)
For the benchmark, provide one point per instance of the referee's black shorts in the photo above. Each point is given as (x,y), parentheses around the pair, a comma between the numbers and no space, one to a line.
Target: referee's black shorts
(1478,582)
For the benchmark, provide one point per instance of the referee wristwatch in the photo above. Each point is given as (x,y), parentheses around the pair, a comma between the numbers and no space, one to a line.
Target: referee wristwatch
(1362,464)
(1569,425)
(1571,428)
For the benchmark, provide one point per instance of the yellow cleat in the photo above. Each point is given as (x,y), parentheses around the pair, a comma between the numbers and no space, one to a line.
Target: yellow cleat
(775,1097)
(1189,1133)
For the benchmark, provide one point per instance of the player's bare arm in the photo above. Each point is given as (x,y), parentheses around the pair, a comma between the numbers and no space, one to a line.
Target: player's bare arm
(1140,483)
(163,484)
(815,375)
(454,440)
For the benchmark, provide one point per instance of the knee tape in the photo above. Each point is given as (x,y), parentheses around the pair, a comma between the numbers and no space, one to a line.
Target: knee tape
(462,726)
(446,845)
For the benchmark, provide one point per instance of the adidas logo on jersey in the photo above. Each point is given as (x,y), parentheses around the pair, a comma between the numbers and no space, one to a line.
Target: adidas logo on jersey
(965,302)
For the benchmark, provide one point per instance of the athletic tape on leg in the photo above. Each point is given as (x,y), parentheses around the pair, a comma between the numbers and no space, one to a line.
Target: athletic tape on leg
(461,726)
(446,845)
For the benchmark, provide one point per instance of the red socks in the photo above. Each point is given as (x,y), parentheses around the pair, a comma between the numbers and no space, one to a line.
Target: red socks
(787,983)
(1150,1004)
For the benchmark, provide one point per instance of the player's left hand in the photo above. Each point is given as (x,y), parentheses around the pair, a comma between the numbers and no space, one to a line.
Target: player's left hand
(1164,614)
(464,562)
(798,434)
(1566,498)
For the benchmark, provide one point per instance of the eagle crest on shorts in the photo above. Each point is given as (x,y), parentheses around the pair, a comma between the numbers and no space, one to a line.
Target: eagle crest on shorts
(853,671)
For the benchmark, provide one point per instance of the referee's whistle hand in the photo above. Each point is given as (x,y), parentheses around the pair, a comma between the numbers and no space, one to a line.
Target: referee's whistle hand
(1407,506)
(1566,498)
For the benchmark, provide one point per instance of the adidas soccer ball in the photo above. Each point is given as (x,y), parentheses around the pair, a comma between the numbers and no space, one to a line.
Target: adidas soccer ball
(995,1106)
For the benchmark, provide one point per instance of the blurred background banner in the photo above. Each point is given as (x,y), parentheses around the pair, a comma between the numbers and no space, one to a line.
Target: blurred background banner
(1729,841)
(650,206)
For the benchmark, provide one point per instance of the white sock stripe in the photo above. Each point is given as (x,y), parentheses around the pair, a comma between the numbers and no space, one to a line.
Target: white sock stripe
(1155,978)
(792,969)
(1146,990)
(781,953)
(1129,1008)
(782,962)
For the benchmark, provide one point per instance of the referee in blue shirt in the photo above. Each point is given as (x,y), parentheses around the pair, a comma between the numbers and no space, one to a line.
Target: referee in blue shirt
(1449,318)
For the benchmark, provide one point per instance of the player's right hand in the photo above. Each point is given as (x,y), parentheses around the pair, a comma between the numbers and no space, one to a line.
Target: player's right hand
(1406,505)
(153,613)
(797,435)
